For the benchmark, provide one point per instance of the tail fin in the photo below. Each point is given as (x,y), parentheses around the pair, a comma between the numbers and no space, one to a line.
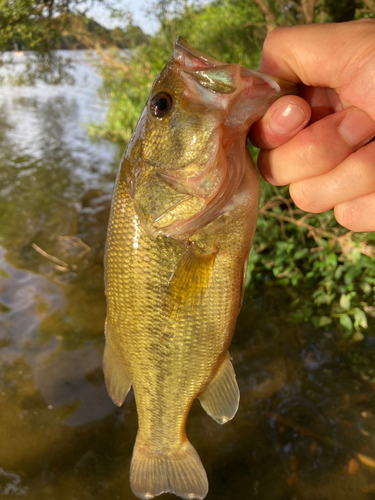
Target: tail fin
(180,472)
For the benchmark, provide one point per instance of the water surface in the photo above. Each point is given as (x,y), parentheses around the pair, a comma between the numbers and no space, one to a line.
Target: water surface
(307,397)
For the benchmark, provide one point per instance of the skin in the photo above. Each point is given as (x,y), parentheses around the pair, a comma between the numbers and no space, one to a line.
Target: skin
(319,143)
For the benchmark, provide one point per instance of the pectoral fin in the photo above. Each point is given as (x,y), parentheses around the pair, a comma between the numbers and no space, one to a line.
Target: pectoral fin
(190,280)
(222,396)
(116,379)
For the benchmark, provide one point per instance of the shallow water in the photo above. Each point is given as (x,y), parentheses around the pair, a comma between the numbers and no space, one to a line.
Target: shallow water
(307,397)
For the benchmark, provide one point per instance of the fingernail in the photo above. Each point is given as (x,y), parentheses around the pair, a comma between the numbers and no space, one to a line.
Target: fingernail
(357,128)
(287,118)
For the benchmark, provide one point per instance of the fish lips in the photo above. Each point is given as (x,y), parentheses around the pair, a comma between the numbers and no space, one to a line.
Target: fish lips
(223,78)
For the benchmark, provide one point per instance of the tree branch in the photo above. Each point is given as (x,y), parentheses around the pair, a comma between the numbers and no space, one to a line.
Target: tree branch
(344,241)
(269,14)
(370,4)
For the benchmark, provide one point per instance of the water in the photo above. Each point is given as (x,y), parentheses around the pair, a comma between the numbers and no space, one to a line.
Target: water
(307,397)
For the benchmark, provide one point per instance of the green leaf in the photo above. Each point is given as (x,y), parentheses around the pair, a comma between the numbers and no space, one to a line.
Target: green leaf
(352,273)
(324,298)
(358,336)
(345,302)
(295,279)
(300,253)
(332,260)
(315,320)
(325,320)
(339,271)
(355,255)
(346,322)
(366,288)
(360,319)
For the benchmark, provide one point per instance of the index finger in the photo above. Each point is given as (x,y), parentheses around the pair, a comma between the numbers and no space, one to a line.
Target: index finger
(315,54)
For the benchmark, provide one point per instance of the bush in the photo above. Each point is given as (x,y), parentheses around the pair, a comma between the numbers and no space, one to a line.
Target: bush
(328,271)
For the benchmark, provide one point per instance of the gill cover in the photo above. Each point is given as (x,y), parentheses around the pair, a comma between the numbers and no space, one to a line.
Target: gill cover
(193,153)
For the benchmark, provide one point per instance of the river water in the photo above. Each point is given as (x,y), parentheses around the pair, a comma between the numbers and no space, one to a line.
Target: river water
(305,429)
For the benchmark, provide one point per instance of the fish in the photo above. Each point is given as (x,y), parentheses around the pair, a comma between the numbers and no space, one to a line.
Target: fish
(183,216)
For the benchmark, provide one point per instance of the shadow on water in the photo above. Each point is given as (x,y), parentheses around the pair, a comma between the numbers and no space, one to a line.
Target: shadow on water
(307,398)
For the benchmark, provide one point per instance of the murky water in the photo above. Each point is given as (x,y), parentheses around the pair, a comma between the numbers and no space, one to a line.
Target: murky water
(307,407)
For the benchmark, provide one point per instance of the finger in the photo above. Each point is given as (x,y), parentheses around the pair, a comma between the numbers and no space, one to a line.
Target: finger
(323,102)
(351,179)
(289,114)
(357,214)
(285,118)
(324,55)
(317,59)
(318,148)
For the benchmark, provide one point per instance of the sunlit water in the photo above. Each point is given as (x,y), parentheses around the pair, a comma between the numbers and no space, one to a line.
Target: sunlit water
(307,397)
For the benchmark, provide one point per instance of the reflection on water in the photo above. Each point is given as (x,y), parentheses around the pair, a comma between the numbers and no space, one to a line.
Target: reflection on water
(307,400)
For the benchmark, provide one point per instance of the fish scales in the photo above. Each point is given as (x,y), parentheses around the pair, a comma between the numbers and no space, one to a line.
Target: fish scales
(182,221)
(202,335)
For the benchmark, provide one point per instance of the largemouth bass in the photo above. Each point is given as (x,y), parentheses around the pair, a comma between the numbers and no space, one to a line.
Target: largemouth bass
(182,220)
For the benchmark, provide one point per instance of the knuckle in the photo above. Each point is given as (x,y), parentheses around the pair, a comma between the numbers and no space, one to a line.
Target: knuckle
(300,193)
(309,145)
(269,168)
(272,39)
(345,215)
(271,36)
(365,156)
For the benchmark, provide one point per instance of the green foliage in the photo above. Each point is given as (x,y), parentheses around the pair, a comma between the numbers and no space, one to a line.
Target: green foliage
(48,68)
(227,30)
(127,83)
(286,13)
(328,272)
(37,25)
(34,24)
(43,26)
(340,11)
(82,32)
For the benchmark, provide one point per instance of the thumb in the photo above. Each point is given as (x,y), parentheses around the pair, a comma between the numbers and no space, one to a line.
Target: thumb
(283,120)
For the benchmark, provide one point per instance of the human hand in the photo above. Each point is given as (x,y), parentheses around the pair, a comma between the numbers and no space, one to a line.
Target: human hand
(331,162)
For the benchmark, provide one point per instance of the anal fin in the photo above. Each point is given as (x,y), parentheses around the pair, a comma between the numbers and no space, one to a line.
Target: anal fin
(116,379)
(190,280)
(221,398)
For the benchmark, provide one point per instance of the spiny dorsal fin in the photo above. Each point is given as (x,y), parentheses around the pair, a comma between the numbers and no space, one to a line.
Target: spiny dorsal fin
(222,396)
(116,379)
(190,280)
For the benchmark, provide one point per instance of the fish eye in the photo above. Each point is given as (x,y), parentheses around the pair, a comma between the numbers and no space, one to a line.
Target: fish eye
(160,104)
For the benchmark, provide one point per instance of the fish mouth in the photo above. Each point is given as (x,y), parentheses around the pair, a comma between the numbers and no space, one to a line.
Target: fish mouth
(186,55)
